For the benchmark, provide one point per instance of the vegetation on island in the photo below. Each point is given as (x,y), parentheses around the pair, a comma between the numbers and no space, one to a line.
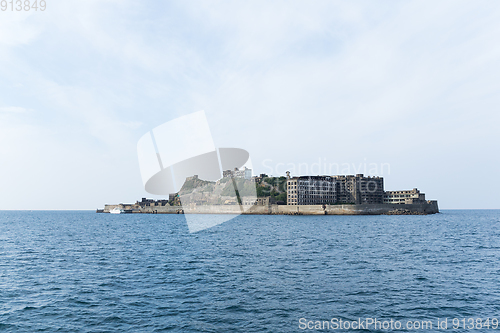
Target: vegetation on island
(275,187)
(237,188)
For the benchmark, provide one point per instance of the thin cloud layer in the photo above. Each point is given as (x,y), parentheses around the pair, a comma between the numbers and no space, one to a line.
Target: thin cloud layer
(412,84)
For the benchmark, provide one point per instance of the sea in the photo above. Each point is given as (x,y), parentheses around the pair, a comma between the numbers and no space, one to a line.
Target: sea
(79,271)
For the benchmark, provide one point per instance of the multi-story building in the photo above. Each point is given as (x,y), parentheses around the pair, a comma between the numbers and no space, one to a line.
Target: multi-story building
(150,202)
(350,189)
(346,189)
(262,201)
(245,173)
(292,191)
(404,197)
(311,190)
(370,190)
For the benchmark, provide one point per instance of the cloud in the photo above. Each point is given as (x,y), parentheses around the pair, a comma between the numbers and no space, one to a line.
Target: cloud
(14,109)
(132,124)
(17,28)
(291,81)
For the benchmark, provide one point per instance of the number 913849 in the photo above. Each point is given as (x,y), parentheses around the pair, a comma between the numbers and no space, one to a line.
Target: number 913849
(23,5)
(475,323)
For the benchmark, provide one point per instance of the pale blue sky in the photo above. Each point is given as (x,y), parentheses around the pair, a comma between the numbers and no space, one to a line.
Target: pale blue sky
(412,84)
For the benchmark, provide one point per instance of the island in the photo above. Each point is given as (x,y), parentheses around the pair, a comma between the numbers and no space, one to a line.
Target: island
(238,192)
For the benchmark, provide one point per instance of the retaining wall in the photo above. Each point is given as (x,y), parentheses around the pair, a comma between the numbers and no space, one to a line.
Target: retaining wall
(429,207)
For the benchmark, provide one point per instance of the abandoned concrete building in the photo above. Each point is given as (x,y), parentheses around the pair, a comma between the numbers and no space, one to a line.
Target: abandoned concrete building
(404,197)
(349,189)
(346,189)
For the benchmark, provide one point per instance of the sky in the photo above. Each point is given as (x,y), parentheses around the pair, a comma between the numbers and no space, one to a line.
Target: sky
(407,90)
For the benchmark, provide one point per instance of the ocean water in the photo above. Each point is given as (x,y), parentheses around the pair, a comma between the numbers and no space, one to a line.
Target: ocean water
(73,271)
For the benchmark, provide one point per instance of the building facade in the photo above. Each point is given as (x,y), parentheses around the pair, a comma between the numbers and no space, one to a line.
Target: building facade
(349,189)
(404,197)
(311,190)
(261,201)
(245,173)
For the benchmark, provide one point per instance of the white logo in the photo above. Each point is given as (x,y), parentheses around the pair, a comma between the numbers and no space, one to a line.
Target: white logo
(182,149)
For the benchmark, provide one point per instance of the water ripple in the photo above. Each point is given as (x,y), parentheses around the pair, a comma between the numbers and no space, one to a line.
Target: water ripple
(87,272)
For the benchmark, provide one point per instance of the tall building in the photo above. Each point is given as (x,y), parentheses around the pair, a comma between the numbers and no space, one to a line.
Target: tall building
(349,189)
(346,189)
(311,190)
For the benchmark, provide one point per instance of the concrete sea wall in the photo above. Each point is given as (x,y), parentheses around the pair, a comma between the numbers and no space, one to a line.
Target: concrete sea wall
(428,207)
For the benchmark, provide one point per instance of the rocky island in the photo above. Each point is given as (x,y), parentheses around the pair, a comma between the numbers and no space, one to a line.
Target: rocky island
(237,192)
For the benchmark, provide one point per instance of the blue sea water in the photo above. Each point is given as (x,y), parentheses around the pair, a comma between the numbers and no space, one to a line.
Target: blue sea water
(73,271)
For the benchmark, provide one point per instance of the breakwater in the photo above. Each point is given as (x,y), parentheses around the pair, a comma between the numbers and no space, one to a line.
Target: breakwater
(424,208)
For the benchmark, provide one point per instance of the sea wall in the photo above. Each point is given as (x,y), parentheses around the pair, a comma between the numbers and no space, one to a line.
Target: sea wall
(428,207)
